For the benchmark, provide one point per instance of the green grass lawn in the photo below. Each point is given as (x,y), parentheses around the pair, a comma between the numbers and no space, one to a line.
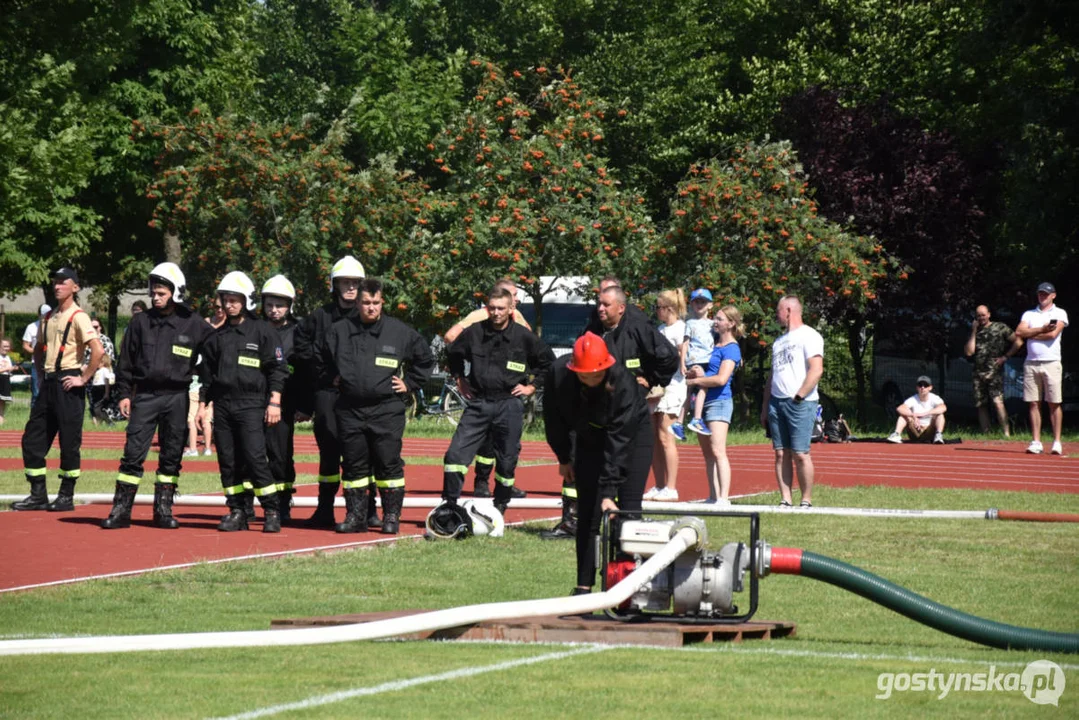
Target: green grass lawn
(1024,574)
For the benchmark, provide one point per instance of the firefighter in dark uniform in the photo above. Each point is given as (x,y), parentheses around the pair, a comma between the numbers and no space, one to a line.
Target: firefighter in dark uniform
(65,334)
(157,360)
(278,294)
(598,424)
(319,395)
(367,354)
(508,363)
(243,373)
(640,348)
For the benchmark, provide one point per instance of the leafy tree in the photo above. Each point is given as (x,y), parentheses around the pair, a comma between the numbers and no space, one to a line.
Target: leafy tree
(525,190)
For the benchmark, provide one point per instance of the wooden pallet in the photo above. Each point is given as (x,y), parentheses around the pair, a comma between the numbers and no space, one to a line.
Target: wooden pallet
(578,629)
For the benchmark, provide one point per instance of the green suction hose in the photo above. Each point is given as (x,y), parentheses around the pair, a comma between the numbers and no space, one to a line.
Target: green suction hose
(794,561)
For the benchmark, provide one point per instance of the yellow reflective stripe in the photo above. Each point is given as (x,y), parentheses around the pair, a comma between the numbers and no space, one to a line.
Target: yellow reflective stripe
(129,479)
(248,486)
(36,472)
(70,474)
(569,492)
(263,492)
(284,487)
(167,479)
(234,490)
(455,468)
(391,483)
(508,482)
(357,483)
(482,460)
(329,478)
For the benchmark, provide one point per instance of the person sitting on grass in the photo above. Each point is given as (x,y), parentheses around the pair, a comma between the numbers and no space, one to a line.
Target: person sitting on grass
(919,413)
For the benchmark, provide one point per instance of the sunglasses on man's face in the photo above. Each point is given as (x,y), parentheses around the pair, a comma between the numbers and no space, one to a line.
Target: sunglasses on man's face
(924,385)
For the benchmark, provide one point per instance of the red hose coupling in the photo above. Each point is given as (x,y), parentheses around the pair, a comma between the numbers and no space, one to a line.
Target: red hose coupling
(786,561)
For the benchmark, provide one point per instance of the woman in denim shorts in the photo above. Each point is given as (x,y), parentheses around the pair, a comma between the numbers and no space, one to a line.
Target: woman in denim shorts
(717,379)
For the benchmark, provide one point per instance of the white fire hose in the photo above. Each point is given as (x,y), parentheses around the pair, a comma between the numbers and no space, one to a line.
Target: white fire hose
(687,535)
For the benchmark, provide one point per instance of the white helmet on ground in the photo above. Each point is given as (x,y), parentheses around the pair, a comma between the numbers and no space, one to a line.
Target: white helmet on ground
(347,267)
(280,286)
(237,282)
(486,519)
(169,274)
(447,521)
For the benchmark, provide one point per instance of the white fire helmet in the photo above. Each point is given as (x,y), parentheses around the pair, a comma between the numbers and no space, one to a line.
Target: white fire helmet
(280,286)
(471,517)
(237,282)
(169,274)
(486,519)
(347,267)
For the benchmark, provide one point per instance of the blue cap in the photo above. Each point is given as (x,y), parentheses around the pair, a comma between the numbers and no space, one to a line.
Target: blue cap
(701,293)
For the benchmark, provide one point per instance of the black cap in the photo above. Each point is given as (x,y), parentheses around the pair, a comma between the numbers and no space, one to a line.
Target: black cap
(67,274)
(1047,287)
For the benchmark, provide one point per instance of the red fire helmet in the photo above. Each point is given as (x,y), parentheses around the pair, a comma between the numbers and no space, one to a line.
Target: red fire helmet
(590,354)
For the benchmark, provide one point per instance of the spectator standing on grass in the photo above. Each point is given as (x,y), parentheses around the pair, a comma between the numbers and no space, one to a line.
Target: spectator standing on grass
(243,372)
(6,367)
(507,364)
(374,361)
(597,424)
(790,399)
(106,342)
(485,457)
(667,408)
(717,381)
(137,307)
(991,343)
(29,342)
(1043,374)
(215,321)
(64,336)
(158,356)
(696,350)
(345,278)
(919,413)
(100,388)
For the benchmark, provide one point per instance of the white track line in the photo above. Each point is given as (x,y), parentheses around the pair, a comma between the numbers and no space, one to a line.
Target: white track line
(319,700)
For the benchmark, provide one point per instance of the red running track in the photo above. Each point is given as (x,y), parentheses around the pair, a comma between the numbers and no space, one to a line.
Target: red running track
(48,548)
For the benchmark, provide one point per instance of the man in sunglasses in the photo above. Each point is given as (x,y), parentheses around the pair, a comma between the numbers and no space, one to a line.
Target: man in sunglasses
(920,413)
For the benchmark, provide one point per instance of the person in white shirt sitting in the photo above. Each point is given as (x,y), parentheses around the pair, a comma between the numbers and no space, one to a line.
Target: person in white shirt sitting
(919,413)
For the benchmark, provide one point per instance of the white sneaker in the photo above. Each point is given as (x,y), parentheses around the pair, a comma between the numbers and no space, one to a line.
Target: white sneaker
(667,495)
(938,439)
(191,453)
(1034,448)
(895,438)
(208,452)
(1058,449)
(650,494)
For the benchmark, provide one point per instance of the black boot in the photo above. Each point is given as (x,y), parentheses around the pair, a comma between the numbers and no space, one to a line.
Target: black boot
(249,505)
(356,514)
(373,520)
(122,500)
(38,499)
(163,495)
(271,512)
(64,501)
(236,519)
(482,488)
(323,517)
(567,528)
(392,501)
(285,498)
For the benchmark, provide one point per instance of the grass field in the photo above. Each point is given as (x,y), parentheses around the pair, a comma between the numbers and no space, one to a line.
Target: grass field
(1016,573)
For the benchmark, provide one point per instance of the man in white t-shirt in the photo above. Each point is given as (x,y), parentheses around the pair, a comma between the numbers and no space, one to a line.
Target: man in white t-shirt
(790,399)
(920,412)
(1043,374)
(29,341)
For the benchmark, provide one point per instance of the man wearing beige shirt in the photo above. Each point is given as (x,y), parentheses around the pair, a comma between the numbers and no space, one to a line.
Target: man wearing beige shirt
(65,334)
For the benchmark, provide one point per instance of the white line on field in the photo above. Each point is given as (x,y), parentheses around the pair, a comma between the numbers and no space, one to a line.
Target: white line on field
(822,654)
(318,700)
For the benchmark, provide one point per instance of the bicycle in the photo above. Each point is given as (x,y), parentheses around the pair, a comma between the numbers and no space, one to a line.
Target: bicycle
(447,406)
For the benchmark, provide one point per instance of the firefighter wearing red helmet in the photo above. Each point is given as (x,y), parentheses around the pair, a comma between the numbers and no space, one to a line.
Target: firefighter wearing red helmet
(598,425)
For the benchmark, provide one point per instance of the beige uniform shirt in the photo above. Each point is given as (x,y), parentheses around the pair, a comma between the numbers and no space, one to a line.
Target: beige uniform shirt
(82,332)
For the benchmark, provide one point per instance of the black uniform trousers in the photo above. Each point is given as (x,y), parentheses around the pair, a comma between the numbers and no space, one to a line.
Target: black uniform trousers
(57,411)
(587,465)
(166,414)
(279,450)
(370,437)
(239,433)
(499,420)
(326,436)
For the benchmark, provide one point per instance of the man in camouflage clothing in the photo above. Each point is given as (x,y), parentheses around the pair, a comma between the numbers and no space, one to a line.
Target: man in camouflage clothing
(991,343)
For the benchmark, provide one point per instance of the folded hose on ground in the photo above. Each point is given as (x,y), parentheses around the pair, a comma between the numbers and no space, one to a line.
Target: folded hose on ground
(794,561)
